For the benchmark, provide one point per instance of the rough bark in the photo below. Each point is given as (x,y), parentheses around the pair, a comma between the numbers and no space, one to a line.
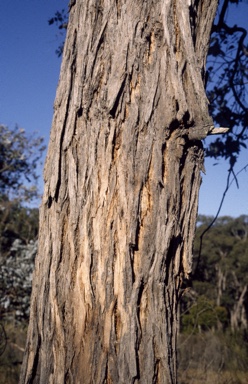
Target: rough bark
(122,177)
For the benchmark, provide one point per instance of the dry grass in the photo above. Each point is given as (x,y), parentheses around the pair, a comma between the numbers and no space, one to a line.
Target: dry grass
(210,377)
(213,358)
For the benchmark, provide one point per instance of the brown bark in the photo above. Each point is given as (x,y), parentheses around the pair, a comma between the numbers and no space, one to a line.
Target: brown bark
(122,177)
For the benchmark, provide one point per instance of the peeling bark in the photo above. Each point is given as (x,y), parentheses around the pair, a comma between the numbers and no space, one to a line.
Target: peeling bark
(122,177)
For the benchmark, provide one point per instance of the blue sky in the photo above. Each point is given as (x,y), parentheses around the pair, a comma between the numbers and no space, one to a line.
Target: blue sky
(29,68)
(29,72)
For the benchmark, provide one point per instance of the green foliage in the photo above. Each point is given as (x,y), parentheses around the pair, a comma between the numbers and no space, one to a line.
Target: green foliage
(16,222)
(219,285)
(204,315)
(227,237)
(19,158)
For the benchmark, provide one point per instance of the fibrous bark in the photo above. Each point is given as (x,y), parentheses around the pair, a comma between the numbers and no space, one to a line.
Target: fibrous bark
(122,177)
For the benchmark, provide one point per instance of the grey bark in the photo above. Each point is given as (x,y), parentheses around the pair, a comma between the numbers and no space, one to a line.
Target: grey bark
(122,177)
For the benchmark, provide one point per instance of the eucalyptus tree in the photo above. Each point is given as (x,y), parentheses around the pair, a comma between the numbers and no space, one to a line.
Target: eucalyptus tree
(20,155)
(122,177)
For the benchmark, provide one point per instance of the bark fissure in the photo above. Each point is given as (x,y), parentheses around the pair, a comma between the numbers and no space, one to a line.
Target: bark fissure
(116,102)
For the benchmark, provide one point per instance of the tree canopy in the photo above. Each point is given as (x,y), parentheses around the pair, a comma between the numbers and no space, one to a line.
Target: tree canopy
(220,280)
(19,159)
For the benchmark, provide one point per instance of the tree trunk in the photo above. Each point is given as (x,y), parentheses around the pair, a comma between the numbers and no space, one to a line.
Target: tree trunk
(122,177)
(238,312)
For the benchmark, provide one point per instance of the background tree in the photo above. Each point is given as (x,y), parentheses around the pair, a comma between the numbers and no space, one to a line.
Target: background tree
(122,177)
(214,310)
(19,158)
(221,274)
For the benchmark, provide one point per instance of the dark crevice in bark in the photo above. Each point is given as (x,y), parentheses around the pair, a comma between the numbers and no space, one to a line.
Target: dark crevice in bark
(71,86)
(170,257)
(80,111)
(137,235)
(97,13)
(68,377)
(193,11)
(99,43)
(139,297)
(163,149)
(131,253)
(156,372)
(137,377)
(91,273)
(174,124)
(186,119)
(34,373)
(106,374)
(49,202)
(113,144)
(117,325)
(116,142)
(113,110)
